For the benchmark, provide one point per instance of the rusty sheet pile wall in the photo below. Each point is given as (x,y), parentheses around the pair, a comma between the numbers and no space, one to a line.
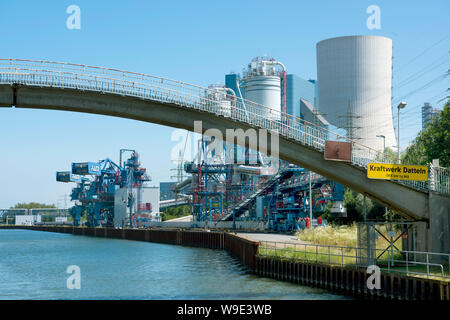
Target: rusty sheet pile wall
(352,281)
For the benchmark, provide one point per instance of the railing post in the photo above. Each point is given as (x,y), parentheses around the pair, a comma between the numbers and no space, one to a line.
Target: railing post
(389,262)
(329,256)
(407,253)
(295,250)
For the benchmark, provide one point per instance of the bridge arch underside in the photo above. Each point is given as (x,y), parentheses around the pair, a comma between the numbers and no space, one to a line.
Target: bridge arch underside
(412,204)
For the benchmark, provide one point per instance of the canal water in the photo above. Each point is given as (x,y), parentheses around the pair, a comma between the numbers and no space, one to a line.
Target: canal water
(33,265)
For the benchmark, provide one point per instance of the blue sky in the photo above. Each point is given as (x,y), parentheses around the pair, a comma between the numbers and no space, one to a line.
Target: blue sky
(196,42)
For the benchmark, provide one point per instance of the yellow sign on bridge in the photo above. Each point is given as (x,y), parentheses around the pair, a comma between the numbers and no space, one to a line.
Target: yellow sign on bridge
(397,172)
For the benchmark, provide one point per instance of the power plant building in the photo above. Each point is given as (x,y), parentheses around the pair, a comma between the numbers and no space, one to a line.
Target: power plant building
(264,84)
(166,190)
(354,75)
(428,113)
(298,88)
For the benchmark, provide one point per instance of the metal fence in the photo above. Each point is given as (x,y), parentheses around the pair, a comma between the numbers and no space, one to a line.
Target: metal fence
(7,216)
(439,179)
(146,87)
(425,264)
(49,212)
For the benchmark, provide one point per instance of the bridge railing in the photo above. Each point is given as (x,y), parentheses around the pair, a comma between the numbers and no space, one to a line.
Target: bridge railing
(425,264)
(147,87)
(439,179)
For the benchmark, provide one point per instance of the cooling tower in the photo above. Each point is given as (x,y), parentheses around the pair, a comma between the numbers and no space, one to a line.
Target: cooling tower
(354,76)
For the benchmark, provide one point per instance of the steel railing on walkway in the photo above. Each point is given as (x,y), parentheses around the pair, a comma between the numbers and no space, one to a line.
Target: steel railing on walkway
(146,87)
(426,264)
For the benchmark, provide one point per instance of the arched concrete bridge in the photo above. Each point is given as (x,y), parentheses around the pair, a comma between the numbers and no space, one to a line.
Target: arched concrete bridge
(71,87)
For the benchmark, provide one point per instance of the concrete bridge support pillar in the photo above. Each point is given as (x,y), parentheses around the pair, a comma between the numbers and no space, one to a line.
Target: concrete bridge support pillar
(439,222)
(435,236)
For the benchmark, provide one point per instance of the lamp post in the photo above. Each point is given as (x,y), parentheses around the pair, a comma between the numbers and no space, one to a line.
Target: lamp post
(400,106)
(310,201)
(384,160)
(384,144)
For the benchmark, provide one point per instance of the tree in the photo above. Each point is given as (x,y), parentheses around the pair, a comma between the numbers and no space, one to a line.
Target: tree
(433,142)
(389,156)
(33,205)
(175,212)
(354,204)
(351,205)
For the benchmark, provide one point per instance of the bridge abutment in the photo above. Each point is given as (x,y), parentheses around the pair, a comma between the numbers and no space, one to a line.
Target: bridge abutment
(439,231)
(434,236)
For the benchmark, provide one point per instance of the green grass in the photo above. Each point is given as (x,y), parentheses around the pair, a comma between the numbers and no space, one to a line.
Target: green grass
(330,235)
(331,255)
(175,212)
(346,236)
(332,238)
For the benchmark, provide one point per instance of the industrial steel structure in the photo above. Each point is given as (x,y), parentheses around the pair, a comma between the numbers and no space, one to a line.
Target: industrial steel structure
(284,200)
(239,184)
(109,194)
(429,113)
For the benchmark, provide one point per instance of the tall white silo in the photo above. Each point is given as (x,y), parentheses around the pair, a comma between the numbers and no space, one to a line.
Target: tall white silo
(262,82)
(354,75)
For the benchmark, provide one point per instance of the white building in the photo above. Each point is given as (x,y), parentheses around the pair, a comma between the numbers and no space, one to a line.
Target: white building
(27,220)
(354,75)
(145,201)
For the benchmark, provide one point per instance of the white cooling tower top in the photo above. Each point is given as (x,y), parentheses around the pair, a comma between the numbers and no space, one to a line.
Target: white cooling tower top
(354,76)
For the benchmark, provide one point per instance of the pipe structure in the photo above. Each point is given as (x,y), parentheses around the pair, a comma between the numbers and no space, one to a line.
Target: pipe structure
(231,90)
(248,169)
(275,63)
(240,94)
(224,89)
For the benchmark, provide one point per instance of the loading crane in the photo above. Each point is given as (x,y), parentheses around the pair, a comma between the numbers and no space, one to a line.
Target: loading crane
(96,184)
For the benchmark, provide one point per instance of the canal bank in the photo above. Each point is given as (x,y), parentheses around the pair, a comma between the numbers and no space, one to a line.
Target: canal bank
(350,281)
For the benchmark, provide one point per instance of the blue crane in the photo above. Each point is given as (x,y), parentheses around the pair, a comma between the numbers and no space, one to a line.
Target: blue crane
(96,186)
